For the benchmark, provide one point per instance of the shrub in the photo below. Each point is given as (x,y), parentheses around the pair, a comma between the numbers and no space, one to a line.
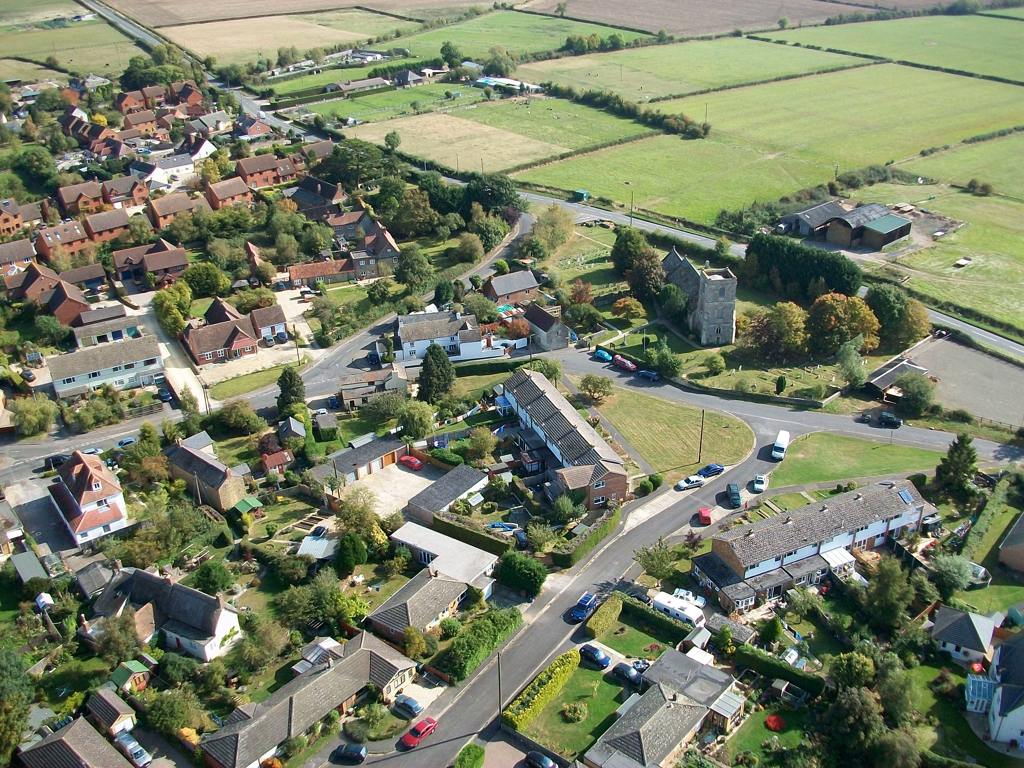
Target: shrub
(656,480)
(521,573)
(450,627)
(577,549)
(447,456)
(605,617)
(470,756)
(644,487)
(541,691)
(478,640)
(959,414)
(772,667)
(575,711)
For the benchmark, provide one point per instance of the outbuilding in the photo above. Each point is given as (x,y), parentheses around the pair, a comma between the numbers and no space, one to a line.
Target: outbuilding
(885,230)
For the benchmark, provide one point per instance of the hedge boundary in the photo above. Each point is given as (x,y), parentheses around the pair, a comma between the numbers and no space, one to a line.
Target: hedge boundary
(451,525)
(605,617)
(541,691)
(582,546)
(671,627)
(772,666)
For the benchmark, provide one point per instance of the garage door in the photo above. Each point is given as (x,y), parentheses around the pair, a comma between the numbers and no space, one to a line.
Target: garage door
(389,459)
(376,465)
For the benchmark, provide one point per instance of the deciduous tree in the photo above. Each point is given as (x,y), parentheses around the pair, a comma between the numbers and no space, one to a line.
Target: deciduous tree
(657,560)
(16,694)
(416,419)
(951,573)
(596,388)
(889,594)
(918,394)
(413,268)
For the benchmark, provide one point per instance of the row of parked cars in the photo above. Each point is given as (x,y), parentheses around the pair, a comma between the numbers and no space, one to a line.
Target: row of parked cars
(626,365)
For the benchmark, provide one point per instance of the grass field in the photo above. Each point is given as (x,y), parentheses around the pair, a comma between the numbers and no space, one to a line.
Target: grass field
(822,457)
(601,695)
(1007,587)
(1015,13)
(248,382)
(319,80)
(388,104)
(986,161)
(87,46)
(12,69)
(977,44)
(641,74)
(772,139)
(31,11)
(516,32)
(239,41)
(667,434)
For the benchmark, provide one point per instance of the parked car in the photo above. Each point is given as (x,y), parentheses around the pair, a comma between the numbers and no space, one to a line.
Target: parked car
(539,760)
(704,515)
(282,337)
(626,673)
(28,375)
(693,481)
(92,451)
(639,593)
(711,470)
(760,483)
(133,750)
(126,441)
(407,706)
(620,362)
(690,597)
(56,461)
(585,606)
(164,395)
(594,655)
(890,420)
(319,532)
(349,754)
(732,490)
(864,417)
(603,356)
(520,536)
(498,525)
(419,732)
(649,375)
(268,340)
(411,462)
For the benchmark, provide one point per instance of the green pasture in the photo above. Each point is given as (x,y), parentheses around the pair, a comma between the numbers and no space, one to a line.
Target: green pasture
(12,69)
(995,162)
(320,79)
(87,46)
(388,104)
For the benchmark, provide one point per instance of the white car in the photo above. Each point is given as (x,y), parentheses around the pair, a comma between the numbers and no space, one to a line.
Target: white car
(693,481)
(690,597)
(760,483)
(320,412)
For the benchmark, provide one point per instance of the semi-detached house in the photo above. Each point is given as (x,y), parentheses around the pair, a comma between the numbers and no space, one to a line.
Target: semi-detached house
(760,561)
(133,362)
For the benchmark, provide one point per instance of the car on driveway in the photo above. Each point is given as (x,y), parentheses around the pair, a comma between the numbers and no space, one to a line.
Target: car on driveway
(92,451)
(282,337)
(649,375)
(627,365)
(138,756)
(27,375)
(126,441)
(603,356)
(539,760)
(320,412)
(732,490)
(520,536)
(407,706)
(594,655)
(419,732)
(349,754)
(711,470)
(55,461)
(693,481)
(164,395)
(626,673)
(760,483)
(690,597)
(411,462)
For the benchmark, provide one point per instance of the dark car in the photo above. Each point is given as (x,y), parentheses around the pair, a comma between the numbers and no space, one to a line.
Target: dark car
(594,655)
(56,461)
(539,760)
(732,490)
(626,673)
(27,375)
(520,536)
(349,754)
(282,337)
(585,606)
(407,706)
(164,395)
(711,470)
(649,375)
(890,420)
(319,531)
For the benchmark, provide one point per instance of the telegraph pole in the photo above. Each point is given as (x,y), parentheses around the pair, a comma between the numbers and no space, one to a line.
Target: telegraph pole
(700,444)
(499,685)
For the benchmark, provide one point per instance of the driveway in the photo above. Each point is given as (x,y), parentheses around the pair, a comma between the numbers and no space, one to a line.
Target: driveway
(395,485)
(165,754)
(31,503)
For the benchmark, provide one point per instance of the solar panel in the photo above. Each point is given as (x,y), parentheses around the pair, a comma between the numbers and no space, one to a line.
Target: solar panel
(907,498)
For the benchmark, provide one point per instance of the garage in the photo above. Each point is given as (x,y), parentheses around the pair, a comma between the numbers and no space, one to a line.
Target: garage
(362,457)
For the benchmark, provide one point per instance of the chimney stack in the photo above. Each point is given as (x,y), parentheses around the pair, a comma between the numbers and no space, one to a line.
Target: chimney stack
(117,565)
(84,623)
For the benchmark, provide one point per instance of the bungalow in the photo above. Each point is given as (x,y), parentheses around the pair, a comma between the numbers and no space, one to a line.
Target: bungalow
(330,271)
(447,557)
(143,121)
(264,170)
(422,602)
(107,226)
(86,278)
(357,86)
(211,482)
(109,712)
(160,259)
(231,191)
(278,461)
(163,210)
(76,744)
(16,255)
(966,637)
(512,288)
(210,125)
(87,498)
(318,150)
(77,199)
(459,483)
(125,192)
(366,386)
(128,364)
(546,327)
(408,79)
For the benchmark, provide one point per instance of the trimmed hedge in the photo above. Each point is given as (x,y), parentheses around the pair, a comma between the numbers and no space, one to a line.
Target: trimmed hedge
(470,756)
(541,691)
(463,529)
(931,760)
(772,666)
(483,369)
(580,547)
(659,622)
(447,456)
(605,617)
(996,504)
(478,641)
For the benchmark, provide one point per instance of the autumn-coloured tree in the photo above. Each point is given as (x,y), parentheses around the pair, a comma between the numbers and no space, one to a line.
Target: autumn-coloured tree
(580,292)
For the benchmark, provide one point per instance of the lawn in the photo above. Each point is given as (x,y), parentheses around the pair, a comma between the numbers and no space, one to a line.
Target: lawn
(636,640)
(634,342)
(790,501)
(320,79)
(284,510)
(769,140)
(377,586)
(1007,587)
(82,673)
(978,44)
(987,161)
(477,386)
(821,457)
(667,434)
(403,101)
(749,736)
(12,69)
(233,451)
(86,46)
(657,71)
(199,306)
(28,11)
(516,32)
(601,696)
(248,382)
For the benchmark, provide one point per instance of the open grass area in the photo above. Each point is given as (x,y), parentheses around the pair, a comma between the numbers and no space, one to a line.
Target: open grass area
(403,101)
(30,11)
(978,44)
(516,32)
(199,306)
(82,673)
(986,161)
(636,342)
(284,510)
(233,451)
(749,736)
(84,46)
(320,79)
(768,140)
(1007,587)
(477,386)
(667,434)
(642,74)
(637,640)
(249,382)
(822,456)
(377,586)
(601,695)
(12,69)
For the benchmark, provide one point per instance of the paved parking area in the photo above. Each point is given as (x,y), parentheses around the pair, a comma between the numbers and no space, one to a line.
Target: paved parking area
(501,751)
(959,370)
(395,485)
(31,503)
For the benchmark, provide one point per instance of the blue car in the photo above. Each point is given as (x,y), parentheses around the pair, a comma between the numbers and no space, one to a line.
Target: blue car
(711,470)
(407,706)
(649,375)
(603,356)
(164,395)
(594,655)
(506,527)
(585,606)
(520,537)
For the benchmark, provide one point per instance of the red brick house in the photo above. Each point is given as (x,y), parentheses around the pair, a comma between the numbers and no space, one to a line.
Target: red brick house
(126,191)
(69,236)
(11,220)
(265,170)
(143,121)
(512,288)
(160,259)
(77,199)
(277,462)
(220,342)
(330,271)
(231,191)
(130,101)
(163,210)
(107,226)
(249,128)
(186,92)
(154,95)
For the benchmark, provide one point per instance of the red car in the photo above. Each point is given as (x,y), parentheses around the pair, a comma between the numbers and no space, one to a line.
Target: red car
(411,462)
(419,732)
(704,513)
(620,362)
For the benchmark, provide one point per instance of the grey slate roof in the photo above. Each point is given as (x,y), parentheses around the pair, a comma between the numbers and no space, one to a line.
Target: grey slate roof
(820,521)
(968,630)
(436,325)
(819,214)
(195,462)
(453,485)
(93,578)
(291,427)
(198,441)
(511,282)
(107,707)
(76,745)
(860,216)
(537,315)
(1010,669)
(419,602)
(106,326)
(103,356)
(741,633)
(342,462)
(101,314)
(1015,536)
(701,683)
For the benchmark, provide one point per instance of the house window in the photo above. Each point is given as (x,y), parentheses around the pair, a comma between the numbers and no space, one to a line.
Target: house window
(94,374)
(599,500)
(129,366)
(150,361)
(68,381)
(220,353)
(208,355)
(96,486)
(116,368)
(106,529)
(599,484)
(101,502)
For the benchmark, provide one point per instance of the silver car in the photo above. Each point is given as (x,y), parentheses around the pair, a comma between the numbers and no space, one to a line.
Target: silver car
(760,483)
(693,481)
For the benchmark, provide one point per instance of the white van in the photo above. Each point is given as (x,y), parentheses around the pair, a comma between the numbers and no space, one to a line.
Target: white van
(781,444)
(677,608)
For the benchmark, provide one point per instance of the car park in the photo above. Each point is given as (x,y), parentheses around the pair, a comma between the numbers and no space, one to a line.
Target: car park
(126,441)
(620,362)
(407,706)
(349,754)
(164,395)
(760,483)
(732,490)
(411,462)
(419,732)
(684,594)
(603,356)
(626,673)
(890,420)
(584,607)
(711,470)
(594,655)
(539,760)
(693,481)
(649,375)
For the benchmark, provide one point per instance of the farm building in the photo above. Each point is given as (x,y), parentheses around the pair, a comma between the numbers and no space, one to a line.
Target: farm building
(851,229)
(813,221)
(882,231)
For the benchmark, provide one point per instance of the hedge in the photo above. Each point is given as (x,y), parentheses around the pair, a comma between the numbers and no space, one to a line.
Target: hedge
(996,504)
(541,691)
(773,667)
(447,456)
(659,622)
(605,617)
(462,529)
(470,756)
(584,544)
(521,573)
(478,641)
(483,369)
(931,760)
